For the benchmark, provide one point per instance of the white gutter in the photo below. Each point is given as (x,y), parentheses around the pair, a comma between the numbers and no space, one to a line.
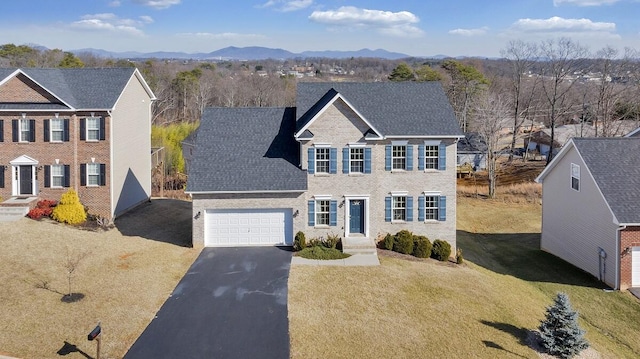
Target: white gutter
(243,192)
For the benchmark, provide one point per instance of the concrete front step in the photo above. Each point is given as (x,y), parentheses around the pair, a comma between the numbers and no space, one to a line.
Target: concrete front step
(12,213)
(359,245)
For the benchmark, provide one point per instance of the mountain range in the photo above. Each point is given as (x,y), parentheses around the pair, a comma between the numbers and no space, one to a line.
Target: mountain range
(247,53)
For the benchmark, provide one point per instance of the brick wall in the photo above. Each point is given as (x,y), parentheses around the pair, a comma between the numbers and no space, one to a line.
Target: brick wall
(629,238)
(21,89)
(72,153)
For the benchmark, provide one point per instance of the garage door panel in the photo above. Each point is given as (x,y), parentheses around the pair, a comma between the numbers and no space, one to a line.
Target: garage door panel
(242,227)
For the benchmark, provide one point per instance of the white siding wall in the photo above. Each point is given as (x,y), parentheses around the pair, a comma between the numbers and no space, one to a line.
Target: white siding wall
(576,223)
(131,148)
(339,126)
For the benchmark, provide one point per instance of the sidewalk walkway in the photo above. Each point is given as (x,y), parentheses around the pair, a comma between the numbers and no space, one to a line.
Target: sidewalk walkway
(353,261)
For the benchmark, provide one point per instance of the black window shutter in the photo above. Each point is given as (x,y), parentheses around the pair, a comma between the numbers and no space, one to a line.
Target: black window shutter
(14,130)
(103,173)
(32,130)
(67,175)
(47,176)
(83,131)
(83,174)
(102,136)
(1,130)
(2,176)
(65,134)
(46,131)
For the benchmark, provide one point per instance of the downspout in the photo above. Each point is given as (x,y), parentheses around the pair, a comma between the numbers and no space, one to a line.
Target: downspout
(617,261)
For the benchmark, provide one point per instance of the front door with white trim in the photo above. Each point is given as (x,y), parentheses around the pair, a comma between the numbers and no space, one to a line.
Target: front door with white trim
(25,180)
(356,216)
(23,176)
(356,222)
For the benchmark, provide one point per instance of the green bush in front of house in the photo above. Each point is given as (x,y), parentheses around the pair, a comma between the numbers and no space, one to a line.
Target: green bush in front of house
(421,247)
(403,242)
(388,241)
(441,250)
(299,242)
(69,210)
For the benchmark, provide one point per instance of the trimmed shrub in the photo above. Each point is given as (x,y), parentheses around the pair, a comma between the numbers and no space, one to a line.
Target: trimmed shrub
(441,250)
(388,242)
(403,242)
(43,208)
(421,247)
(459,258)
(314,242)
(299,242)
(69,210)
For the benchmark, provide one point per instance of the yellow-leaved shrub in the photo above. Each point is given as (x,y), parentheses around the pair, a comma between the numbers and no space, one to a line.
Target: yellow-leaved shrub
(69,209)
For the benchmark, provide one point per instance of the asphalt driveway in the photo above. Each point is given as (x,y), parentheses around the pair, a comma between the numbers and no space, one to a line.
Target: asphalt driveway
(232,303)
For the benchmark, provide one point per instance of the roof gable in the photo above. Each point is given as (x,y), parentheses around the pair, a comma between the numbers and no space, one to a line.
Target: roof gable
(316,111)
(393,109)
(20,91)
(614,165)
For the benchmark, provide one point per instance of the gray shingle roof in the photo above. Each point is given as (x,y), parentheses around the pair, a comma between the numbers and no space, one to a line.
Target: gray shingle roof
(615,166)
(246,149)
(472,142)
(85,88)
(393,108)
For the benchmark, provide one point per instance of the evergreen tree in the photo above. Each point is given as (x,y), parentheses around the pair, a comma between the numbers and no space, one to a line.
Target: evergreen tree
(402,73)
(560,333)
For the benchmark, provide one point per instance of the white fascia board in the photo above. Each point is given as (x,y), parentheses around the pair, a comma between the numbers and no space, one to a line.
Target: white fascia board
(565,149)
(322,110)
(145,85)
(19,71)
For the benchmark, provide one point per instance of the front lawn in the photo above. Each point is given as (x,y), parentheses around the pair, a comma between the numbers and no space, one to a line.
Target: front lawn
(484,308)
(125,276)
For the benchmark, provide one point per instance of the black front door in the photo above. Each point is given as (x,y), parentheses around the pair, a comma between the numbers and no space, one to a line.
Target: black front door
(26,180)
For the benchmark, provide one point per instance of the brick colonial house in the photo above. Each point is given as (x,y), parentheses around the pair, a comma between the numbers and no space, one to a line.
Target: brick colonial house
(591,208)
(87,129)
(354,159)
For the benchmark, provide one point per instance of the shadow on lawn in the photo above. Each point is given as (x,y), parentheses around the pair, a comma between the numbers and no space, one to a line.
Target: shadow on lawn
(519,255)
(522,334)
(164,220)
(69,348)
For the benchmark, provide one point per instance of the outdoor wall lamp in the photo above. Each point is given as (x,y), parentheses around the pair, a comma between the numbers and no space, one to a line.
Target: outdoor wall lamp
(626,251)
(197,215)
(296,213)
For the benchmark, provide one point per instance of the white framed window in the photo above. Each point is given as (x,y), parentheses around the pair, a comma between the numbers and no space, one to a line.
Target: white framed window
(399,208)
(56,128)
(93,128)
(431,207)
(431,156)
(398,157)
(356,160)
(323,157)
(24,130)
(323,211)
(57,176)
(93,174)
(575,177)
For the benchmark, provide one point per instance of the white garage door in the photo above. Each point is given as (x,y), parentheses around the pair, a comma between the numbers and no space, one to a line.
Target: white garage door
(248,227)
(635,267)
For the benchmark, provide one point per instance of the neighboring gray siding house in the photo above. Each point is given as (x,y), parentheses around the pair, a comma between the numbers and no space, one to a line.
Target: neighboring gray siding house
(472,149)
(591,208)
(354,159)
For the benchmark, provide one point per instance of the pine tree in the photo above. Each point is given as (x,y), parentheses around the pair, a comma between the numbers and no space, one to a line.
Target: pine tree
(560,333)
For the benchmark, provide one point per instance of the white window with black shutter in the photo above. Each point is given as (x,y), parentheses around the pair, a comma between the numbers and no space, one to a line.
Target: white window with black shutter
(56,130)
(92,129)
(57,176)
(323,212)
(432,207)
(23,130)
(93,174)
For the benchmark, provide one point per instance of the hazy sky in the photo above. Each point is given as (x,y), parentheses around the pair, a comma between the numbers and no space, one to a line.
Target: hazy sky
(413,27)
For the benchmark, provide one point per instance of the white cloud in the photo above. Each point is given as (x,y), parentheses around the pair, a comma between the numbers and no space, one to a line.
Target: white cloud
(287,5)
(470,32)
(386,22)
(584,2)
(555,24)
(158,4)
(114,3)
(112,23)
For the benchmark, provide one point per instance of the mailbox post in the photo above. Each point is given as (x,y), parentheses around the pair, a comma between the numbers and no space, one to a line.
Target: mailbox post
(96,334)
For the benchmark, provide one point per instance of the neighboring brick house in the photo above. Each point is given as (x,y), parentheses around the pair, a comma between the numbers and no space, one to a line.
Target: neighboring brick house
(354,159)
(87,129)
(591,208)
